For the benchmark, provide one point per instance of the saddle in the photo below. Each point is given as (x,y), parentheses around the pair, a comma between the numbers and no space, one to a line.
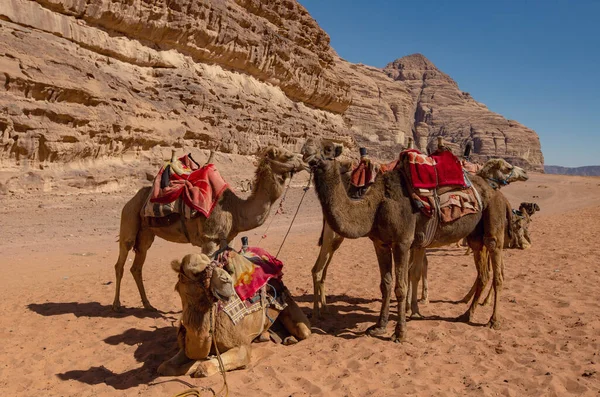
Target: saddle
(439,187)
(257,282)
(182,186)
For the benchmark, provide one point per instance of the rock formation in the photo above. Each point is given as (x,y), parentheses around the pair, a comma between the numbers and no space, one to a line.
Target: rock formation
(98,81)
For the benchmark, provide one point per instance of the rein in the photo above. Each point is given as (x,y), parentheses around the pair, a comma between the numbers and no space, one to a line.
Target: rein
(501,182)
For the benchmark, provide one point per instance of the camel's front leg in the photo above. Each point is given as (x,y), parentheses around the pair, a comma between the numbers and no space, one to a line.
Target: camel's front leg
(425,288)
(329,244)
(144,241)
(384,259)
(179,365)
(237,357)
(401,253)
(498,271)
(293,318)
(418,263)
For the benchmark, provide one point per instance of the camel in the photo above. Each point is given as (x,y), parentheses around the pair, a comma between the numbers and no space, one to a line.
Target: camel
(498,173)
(522,220)
(517,237)
(231,215)
(386,215)
(331,241)
(204,328)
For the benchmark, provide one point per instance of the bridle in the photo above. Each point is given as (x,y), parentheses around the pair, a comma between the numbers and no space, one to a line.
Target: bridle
(502,182)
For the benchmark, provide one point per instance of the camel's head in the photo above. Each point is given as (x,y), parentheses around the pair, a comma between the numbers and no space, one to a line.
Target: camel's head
(499,173)
(315,151)
(283,162)
(202,279)
(529,208)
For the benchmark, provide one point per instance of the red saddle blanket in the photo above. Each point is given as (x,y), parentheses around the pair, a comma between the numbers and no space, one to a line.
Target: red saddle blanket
(363,174)
(442,168)
(199,188)
(252,270)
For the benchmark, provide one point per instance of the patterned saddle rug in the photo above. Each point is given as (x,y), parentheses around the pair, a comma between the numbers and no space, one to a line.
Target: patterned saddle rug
(183,181)
(257,282)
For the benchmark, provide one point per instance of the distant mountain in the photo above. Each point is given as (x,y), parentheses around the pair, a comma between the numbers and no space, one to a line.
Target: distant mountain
(590,170)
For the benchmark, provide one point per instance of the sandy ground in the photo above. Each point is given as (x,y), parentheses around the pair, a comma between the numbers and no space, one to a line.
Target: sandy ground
(60,337)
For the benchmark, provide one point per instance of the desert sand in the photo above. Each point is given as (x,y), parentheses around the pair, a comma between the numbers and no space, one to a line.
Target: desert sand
(60,337)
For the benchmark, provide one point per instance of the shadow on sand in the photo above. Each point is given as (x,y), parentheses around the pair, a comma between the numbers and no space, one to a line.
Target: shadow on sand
(92,309)
(153,347)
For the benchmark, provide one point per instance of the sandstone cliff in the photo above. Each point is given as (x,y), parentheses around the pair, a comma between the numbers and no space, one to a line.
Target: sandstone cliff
(88,83)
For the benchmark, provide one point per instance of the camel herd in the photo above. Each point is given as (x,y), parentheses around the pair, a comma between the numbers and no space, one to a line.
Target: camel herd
(384,212)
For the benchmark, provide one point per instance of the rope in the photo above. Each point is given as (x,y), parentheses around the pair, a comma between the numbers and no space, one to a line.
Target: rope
(294,218)
(221,366)
(279,211)
(194,392)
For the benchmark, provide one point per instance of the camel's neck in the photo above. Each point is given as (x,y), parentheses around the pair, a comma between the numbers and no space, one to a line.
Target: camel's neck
(251,212)
(347,217)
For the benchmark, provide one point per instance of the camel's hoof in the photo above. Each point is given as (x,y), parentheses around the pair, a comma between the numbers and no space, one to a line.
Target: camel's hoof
(464,318)
(264,337)
(399,338)
(494,324)
(375,330)
(116,307)
(149,307)
(423,301)
(290,340)
(416,316)
(205,370)
(166,369)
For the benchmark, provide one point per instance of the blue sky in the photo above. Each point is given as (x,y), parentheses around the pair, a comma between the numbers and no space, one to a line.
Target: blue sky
(537,62)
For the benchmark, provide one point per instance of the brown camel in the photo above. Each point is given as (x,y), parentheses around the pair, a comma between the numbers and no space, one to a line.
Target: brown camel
(204,327)
(330,241)
(231,215)
(498,173)
(388,217)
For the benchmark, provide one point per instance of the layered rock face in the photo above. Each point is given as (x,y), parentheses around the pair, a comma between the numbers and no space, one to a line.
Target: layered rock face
(99,80)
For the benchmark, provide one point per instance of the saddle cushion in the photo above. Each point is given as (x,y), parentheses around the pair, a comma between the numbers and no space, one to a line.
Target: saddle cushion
(442,168)
(200,189)
(252,270)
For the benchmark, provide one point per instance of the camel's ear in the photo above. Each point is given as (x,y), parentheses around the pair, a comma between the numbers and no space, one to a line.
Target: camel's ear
(537,207)
(176,265)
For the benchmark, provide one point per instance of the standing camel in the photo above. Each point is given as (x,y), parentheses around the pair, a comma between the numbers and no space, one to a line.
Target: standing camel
(330,241)
(388,217)
(231,215)
(497,173)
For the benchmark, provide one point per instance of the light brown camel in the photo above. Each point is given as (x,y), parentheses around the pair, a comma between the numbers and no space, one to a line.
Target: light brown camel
(203,325)
(498,173)
(388,217)
(330,241)
(517,237)
(231,215)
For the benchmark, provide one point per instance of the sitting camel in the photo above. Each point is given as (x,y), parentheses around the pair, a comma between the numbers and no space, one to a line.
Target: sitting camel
(206,330)
(387,215)
(522,220)
(231,215)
